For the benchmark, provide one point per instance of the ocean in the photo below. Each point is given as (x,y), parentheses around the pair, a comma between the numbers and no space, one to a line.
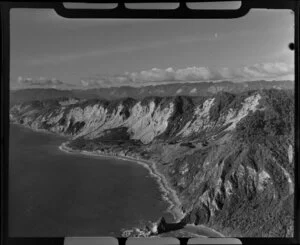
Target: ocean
(53,193)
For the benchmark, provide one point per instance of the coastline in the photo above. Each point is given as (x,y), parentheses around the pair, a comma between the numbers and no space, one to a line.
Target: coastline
(38,130)
(169,195)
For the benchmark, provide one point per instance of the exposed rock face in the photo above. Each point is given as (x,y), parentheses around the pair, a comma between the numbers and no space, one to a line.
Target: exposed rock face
(229,157)
(249,105)
(291,153)
(144,123)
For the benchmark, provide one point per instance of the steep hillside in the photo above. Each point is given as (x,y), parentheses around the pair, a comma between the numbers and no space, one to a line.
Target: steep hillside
(229,157)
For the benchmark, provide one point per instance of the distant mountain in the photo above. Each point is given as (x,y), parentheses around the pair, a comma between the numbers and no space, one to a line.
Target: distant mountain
(182,89)
(228,156)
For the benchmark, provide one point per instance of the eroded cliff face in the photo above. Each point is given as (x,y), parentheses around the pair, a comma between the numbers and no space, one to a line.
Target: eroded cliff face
(229,157)
(144,122)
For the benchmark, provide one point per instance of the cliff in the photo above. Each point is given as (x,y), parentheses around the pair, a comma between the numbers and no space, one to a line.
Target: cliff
(229,157)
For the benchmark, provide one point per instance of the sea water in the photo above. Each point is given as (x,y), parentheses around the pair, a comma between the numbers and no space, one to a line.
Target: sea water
(54,193)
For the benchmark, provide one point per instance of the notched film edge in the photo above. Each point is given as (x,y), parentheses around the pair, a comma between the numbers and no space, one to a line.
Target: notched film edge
(164,124)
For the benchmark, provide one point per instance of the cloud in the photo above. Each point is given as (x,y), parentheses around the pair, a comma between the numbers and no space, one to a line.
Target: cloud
(154,76)
(267,71)
(157,76)
(41,82)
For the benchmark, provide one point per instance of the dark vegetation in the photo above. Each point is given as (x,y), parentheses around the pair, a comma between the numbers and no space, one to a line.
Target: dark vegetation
(127,102)
(148,99)
(188,144)
(117,138)
(26,95)
(183,112)
(74,127)
(276,120)
(259,142)
(221,104)
(115,134)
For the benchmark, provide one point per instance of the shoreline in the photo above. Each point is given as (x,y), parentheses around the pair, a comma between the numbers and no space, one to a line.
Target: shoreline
(168,194)
(38,130)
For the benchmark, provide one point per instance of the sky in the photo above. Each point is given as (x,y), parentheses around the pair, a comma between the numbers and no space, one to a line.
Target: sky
(48,50)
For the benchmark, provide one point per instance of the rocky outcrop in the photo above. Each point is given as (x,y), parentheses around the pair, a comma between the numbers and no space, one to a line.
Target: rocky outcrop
(228,157)
(163,226)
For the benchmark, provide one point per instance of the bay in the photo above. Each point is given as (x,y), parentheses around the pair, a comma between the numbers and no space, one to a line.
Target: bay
(54,194)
